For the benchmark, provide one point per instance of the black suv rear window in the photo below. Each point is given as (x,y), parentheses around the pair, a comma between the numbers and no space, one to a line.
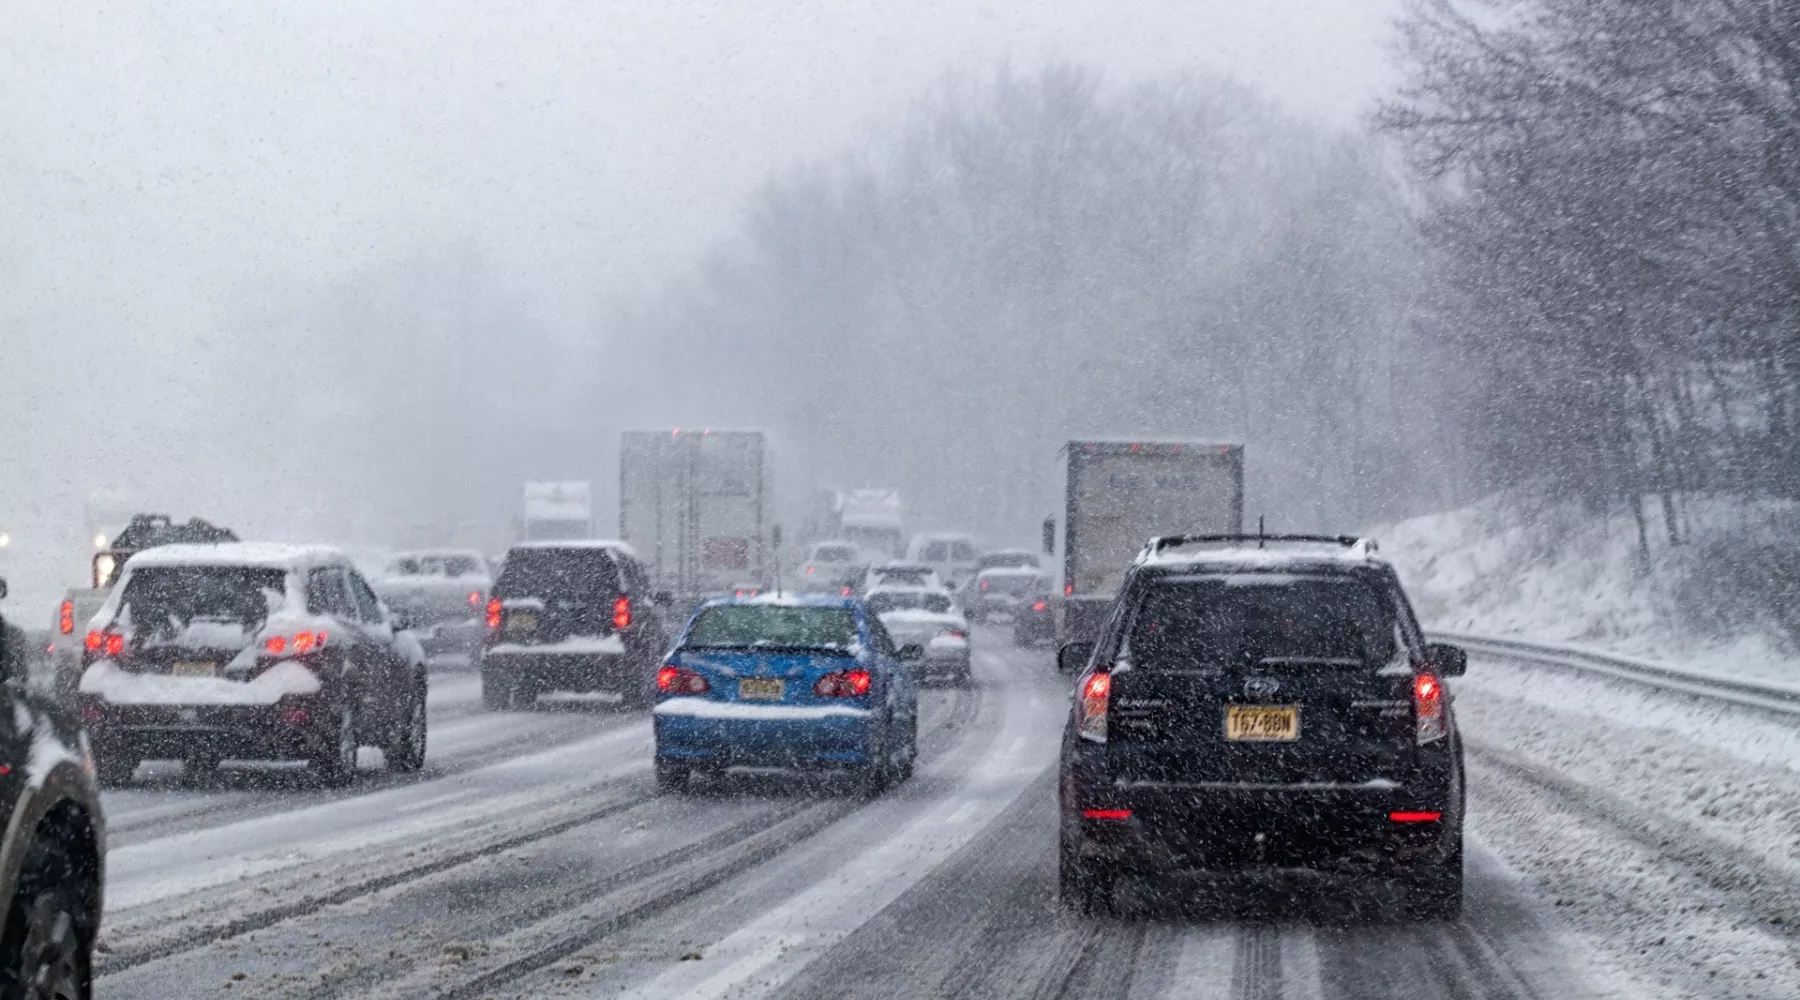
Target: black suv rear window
(165,599)
(1303,621)
(563,575)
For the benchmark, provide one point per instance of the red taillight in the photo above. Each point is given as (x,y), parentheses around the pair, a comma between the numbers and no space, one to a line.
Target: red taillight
(952,633)
(276,645)
(809,571)
(474,598)
(109,643)
(92,713)
(1112,814)
(846,591)
(844,684)
(680,680)
(493,615)
(1068,588)
(65,618)
(984,585)
(296,717)
(1428,706)
(94,641)
(621,614)
(1096,692)
(1040,606)
(1415,817)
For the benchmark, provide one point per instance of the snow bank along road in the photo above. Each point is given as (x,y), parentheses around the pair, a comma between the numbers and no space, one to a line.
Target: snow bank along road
(1623,843)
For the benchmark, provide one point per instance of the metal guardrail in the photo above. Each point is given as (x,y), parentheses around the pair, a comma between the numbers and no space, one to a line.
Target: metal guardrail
(1768,698)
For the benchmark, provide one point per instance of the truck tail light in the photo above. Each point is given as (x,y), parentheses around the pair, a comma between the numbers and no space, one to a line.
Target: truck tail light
(1428,708)
(493,615)
(844,684)
(1096,694)
(1040,605)
(621,614)
(65,618)
(672,679)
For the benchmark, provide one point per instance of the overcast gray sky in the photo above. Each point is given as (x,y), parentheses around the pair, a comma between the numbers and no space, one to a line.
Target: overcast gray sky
(157,158)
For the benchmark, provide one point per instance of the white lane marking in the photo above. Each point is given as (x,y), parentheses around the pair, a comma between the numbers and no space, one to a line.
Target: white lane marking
(182,863)
(1203,969)
(764,954)
(1300,964)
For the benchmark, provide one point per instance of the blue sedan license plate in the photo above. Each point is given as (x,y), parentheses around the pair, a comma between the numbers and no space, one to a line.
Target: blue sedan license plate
(761,688)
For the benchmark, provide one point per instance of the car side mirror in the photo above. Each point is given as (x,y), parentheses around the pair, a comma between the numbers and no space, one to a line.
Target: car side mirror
(1446,659)
(912,652)
(662,598)
(1073,656)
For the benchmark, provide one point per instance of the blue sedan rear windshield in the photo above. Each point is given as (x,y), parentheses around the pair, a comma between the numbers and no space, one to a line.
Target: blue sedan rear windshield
(751,626)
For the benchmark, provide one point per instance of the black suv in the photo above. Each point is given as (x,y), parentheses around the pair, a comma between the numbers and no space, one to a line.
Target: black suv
(1260,705)
(571,616)
(53,854)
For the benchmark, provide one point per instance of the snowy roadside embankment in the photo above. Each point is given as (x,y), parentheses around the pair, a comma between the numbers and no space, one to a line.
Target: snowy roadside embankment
(1557,574)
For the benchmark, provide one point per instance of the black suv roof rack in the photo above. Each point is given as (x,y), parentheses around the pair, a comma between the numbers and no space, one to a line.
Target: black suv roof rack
(1161,542)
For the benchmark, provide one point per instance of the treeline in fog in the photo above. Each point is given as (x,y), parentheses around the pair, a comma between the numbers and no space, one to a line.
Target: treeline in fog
(1033,256)
(1614,220)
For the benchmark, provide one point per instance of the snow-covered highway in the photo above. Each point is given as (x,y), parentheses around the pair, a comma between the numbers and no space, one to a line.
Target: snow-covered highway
(1610,855)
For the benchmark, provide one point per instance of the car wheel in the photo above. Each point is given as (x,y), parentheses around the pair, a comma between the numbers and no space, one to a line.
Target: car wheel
(335,757)
(496,690)
(874,777)
(113,769)
(406,751)
(903,771)
(671,777)
(52,953)
(1434,891)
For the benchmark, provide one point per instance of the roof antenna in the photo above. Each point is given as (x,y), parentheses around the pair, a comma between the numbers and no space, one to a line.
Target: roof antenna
(1259,531)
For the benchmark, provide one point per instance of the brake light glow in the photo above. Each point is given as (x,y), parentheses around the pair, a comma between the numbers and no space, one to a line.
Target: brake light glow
(1415,817)
(65,618)
(809,570)
(299,642)
(984,585)
(952,633)
(1068,589)
(1040,606)
(474,598)
(672,679)
(1428,708)
(1112,814)
(846,591)
(844,684)
(622,614)
(493,614)
(108,643)
(1096,693)
(296,717)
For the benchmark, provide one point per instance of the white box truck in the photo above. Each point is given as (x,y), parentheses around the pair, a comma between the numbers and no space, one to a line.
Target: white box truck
(1117,495)
(693,504)
(556,511)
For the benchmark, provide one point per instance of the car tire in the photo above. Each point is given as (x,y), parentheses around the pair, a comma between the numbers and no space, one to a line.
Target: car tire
(49,953)
(113,769)
(671,778)
(405,751)
(496,690)
(334,759)
(1435,891)
(1084,886)
(874,777)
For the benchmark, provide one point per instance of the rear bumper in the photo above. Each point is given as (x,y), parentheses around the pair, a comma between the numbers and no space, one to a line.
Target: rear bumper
(453,637)
(245,732)
(733,734)
(1220,828)
(565,671)
(1033,627)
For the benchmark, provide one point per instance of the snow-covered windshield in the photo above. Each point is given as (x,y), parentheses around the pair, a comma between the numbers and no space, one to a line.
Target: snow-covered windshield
(747,626)
(165,599)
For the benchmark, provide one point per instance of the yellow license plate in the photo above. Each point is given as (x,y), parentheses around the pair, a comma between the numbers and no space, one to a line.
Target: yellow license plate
(1262,723)
(761,688)
(194,668)
(521,621)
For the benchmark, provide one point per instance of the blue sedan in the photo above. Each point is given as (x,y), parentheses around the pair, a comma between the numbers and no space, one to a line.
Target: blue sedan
(808,683)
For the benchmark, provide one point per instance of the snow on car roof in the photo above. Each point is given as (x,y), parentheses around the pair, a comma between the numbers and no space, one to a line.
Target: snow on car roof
(585,543)
(420,553)
(787,599)
(275,555)
(1011,571)
(1275,556)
